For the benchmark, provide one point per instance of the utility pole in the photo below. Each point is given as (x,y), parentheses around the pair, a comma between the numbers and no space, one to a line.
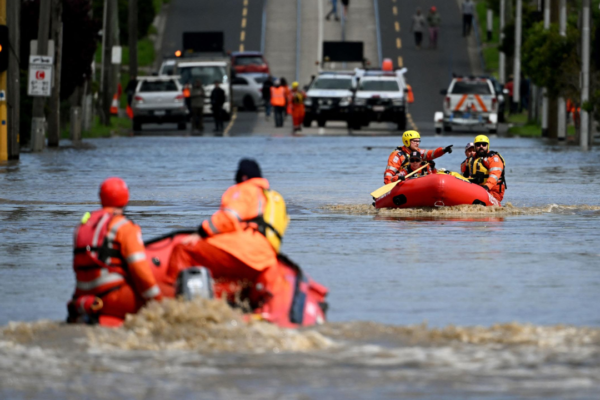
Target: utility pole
(517,64)
(13,10)
(545,103)
(133,27)
(56,33)
(502,62)
(584,136)
(3,77)
(38,120)
(562,108)
(107,40)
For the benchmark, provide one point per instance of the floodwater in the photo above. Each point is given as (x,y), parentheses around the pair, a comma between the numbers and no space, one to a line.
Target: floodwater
(446,304)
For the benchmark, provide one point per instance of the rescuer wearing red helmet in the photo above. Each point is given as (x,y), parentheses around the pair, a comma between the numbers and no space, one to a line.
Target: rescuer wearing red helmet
(113,277)
(416,162)
(399,159)
(469,152)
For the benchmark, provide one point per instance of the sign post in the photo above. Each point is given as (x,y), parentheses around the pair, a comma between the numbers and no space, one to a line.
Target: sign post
(39,83)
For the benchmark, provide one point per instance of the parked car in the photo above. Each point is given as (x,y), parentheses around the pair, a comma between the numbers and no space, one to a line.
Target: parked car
(167,67)
(249,61)
(470,102)
(328,97)
(159,99)
(247,90)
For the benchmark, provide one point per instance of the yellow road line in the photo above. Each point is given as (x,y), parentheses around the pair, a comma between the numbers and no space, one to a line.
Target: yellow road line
(243,36)
(244,12)
(243,23)
(412,123)
(397,25)
(398,43)
(245,3)
(395,10)
(230,124)
(241,46)
(400,62)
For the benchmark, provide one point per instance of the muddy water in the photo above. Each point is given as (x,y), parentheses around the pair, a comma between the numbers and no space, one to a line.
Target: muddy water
(408,287)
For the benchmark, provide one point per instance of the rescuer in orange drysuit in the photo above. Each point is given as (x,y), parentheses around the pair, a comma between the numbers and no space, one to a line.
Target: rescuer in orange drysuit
(112,274)
(416,162)
(297,102)
(486,168)
(469,152)
(399,159)
(229,243)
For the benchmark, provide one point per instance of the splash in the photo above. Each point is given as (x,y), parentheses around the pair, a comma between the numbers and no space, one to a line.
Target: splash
(458,211)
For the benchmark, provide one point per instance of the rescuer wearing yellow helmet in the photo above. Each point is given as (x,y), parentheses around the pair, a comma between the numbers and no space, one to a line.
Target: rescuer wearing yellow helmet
(486,168)
(399,159)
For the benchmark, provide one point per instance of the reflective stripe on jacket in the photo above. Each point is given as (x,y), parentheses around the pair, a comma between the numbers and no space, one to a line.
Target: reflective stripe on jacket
(278,96)
(399,160)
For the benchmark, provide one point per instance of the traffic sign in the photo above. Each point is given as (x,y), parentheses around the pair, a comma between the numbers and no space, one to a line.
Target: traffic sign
(40,76)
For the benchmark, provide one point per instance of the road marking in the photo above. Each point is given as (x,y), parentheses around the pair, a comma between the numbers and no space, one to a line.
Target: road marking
(395,10)
(230,124)
(400,62)
(397,24)
(245,3)
(243,23)
(244,12)
(412,123)
(398,43)
(243,36)
(242,47)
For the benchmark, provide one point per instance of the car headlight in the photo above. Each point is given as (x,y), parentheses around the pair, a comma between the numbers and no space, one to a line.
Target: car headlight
(345,101)
(308,102)
(359,101)
(398,102)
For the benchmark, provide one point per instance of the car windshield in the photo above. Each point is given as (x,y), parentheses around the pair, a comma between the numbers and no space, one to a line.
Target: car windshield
(158,86)
(260,79)
(167,70)
(249,60)
(329,83)
(207,74)
(379,86)
(466,87)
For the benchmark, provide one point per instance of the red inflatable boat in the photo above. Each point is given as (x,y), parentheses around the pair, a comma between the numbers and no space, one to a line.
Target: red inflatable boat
(302,305)
(434,191)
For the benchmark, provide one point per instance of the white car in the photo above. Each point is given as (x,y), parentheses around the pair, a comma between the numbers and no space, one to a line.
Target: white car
(247,90)
(469,103)
(380,97)
(328,98)
(167,67)
(159,99)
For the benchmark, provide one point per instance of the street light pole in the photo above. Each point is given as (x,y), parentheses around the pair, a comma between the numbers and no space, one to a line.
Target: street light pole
(517,65)
(502,61)
(545,103)
(585,72)
(562,109)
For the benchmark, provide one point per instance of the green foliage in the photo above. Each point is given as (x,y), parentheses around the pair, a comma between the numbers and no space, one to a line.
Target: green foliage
(146,14)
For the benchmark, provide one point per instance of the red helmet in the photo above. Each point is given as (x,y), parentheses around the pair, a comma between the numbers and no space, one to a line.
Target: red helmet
(114,193)
(433,9)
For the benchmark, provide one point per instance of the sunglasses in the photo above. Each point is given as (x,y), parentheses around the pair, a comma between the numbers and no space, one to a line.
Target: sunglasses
(415,140)
(480,144)
(414,160)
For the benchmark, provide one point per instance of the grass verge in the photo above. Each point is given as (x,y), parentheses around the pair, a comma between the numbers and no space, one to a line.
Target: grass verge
(490,50)
(118,127)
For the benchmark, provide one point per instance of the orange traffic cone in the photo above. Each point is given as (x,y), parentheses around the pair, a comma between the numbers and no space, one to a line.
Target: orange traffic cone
(114,106)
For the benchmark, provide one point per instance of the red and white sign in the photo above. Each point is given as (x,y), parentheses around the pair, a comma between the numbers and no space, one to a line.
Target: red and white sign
(40,76)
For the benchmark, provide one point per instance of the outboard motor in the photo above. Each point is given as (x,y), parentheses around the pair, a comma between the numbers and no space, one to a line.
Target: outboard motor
(195,282)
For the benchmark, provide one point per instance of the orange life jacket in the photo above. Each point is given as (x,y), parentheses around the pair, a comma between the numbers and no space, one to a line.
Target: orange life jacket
(278,96)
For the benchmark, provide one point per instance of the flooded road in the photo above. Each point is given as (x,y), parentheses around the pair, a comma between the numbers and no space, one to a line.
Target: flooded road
(518,272)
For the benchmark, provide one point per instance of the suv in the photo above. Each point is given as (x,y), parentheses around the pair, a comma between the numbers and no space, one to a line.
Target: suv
(470,102)
(328,98)
(158,99)
(380,96)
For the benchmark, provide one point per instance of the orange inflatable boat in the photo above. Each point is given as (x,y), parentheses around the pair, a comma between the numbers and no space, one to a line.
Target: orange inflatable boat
(435,191)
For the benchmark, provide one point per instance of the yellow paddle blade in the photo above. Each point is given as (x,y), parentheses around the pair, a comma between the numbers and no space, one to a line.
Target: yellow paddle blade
(383,190)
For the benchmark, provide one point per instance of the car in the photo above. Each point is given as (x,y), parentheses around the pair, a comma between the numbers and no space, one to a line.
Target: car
(159,99)
(328,98)
(249,61)
(247,90)
(470,102)
(167,67)
(380,96)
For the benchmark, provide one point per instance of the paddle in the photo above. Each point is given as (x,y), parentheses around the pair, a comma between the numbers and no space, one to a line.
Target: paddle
(384,189)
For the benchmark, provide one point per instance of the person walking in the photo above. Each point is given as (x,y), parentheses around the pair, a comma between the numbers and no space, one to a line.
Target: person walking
(345,3)
(433,20)
(298,110)
(288,97)
(524,89)
(197,104)
(333,11)
(468,8)
(266,95)
(417,27)
(217,99)
(278,103)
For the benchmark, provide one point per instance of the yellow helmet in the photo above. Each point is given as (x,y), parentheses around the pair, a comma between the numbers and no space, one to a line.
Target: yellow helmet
(295,85)
(482,139)
(408,136)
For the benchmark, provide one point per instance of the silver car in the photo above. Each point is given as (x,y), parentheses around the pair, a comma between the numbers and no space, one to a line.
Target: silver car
(159,99)
(247,90)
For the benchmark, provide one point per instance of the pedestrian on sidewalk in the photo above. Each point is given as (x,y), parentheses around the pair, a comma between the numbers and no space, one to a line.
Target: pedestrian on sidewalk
(288,97)
(278,102)
(468,8)
(524,90)
(333,11)
(510,86)
(197,104)
(433,20)
(266,95)
(345,4)
(417,27)
(217,99)
(297,107)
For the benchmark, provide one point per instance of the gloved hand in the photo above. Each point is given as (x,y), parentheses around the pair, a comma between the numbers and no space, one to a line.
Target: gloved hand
(486,188)
(202,232)
(432,164)
(401,178)
(448,149)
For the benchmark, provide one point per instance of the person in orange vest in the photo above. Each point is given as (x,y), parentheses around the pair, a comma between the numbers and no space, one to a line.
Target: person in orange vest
(113,277)
(399,158)
(230,244)
(297,107)
(469,152)
(278,101)
(486,168)
(416,162)
(288,97)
